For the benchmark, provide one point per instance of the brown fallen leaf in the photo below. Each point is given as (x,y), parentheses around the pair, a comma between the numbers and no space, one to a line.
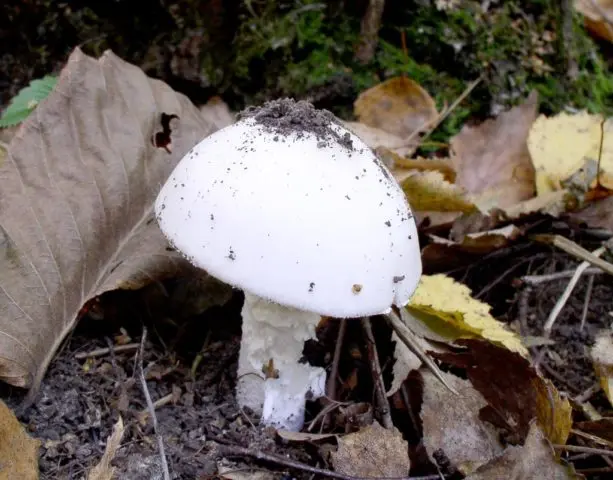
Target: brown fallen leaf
(372,452)
(393,161)
(445,254)
(516,394)
(597,16)
(103,469)
(217,112)
(492,160)
(451,424)
(18,451)
(399,106)
(534,460)
(76,203)
(598,214)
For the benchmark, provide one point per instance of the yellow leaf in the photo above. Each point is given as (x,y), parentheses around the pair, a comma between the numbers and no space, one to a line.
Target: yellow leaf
(602,356)
(398,106)
(553,413)
(561,145)
(429,190)
(448,308)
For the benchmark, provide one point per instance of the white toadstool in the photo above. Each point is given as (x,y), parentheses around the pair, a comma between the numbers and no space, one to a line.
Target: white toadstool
(295,210)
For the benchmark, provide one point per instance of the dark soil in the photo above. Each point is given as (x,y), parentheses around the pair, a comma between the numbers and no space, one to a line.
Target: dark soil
(82,398)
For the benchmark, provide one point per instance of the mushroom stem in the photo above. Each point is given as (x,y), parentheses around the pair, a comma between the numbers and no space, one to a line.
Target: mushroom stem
(271,347)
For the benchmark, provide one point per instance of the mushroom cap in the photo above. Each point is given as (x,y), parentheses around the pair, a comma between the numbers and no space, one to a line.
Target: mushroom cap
(290,206)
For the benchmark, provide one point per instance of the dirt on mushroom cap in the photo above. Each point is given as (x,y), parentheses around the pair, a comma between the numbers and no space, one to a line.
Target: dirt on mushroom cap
(286,116)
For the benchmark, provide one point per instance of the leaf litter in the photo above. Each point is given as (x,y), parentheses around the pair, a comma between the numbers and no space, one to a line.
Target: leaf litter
(84,169)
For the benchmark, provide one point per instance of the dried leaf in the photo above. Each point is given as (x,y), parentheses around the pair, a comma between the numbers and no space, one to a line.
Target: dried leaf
(395,161)
(492,160)
(597,16)
(598,214)
(18,451)
(452,425)
(447,308)
(217,113)
(602,356)
(516,394)
(372,452)
(398,106)
(291,436)
(405,360)
(430,191)
(562,145)
(553,412)
(533,460)
(375,137)
(103,469)
(76,203)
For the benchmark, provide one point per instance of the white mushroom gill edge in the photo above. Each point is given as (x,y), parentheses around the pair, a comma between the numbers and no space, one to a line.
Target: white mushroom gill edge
(269,327)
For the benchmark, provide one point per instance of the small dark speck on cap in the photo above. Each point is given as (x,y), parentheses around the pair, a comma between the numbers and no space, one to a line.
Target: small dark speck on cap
(388,223)
(311,286)
(399,279)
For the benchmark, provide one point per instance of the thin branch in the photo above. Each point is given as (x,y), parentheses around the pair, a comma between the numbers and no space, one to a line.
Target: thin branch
(551,277)
(576,250)
(577,448)
(332,379)
(101,352)
(407,337)
(371,23)
(150,406)
(377,377)
(557,308)
(586,301)
(235,450)
(441,118)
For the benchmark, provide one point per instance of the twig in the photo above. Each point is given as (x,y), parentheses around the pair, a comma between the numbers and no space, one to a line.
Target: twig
(377,376)
(332,379)
(592,438)
(235,450)
(331,393)
(577,448)
(441,118)
(101,352)
(371,23)
(557,308)
(577,251)
(407,337)
(567,36)
(154,420)
(586,302)
(587,393)
(551,277)
(4,146)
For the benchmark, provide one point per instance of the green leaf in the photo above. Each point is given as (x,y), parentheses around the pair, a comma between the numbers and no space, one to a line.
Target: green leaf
(26,100)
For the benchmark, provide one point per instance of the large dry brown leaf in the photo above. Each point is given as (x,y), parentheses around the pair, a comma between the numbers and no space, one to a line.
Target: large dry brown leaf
(452,425)
(534,460)
(492,160)
(76,203)
(373,452)
(399,106)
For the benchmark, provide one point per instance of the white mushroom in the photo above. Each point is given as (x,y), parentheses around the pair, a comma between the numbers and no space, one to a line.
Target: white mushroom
(298,212)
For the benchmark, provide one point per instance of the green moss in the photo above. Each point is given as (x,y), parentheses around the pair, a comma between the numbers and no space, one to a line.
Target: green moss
(252,50)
